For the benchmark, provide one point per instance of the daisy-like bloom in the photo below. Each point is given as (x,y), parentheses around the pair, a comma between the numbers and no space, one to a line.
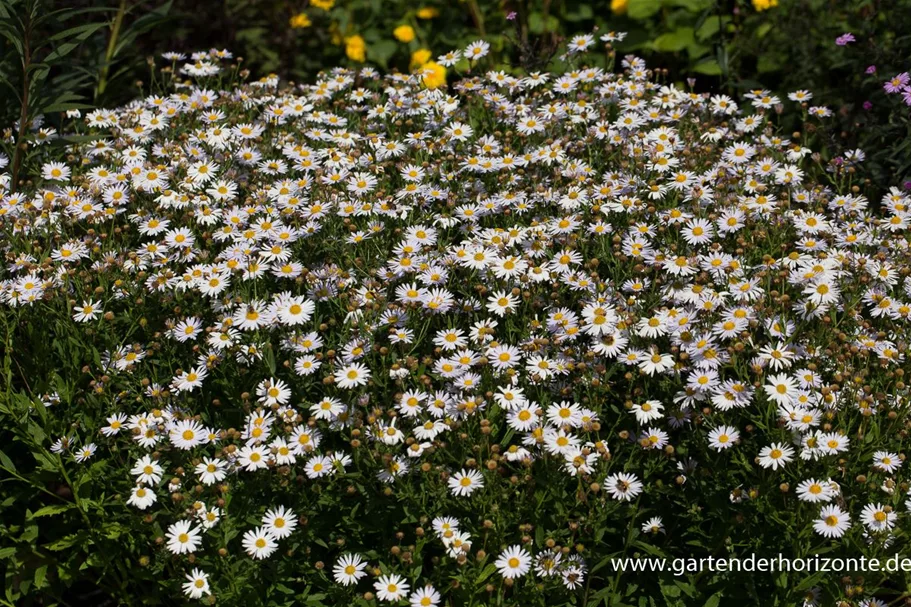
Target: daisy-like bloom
(781,389)
(142,498)
(777,356)
(85,453)
(197,584)
(812,490)
(89,310)
(280,522)
(465,482)
(653,438)
(115,424)
(352,376)
(443,524)
(183,537)
(886,461)
(259,543)
(513,562)
(622,486)
(548,563)
(187,329)
(252,458)
(723,437)
(656,363)
(424,597)
(457,543)
(876,517)
(55,171)
(188,381)
(391,588)
(147,471)
(296,311)
(845,39)
(273,391)
(209,518)
(210,471)
(647,411)
(349,569)
(775,456)
(833,522)
(800,96)
(501,302)
(318,466)
(653,525)
(832,443)
(187,434)
(476,50)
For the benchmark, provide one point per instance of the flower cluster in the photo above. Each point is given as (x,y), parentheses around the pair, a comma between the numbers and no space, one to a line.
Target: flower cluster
(589,289)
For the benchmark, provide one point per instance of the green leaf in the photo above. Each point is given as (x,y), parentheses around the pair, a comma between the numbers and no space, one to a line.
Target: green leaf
(40,576)
(643,9)
(66,542)
(537,24)
(581,13)
(714,600)
(693,6)
(675,41)
(52,510)
(709,28)
(381,51)
(7,462)
(486,573)
(7,552)
(284,589)
(688,589)
(709,68)
(768,63)
(82,32)
(148,21)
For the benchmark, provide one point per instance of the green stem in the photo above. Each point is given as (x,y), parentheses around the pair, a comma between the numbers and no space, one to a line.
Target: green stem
(23,114)
(75,490)
(109,53)
(477,16)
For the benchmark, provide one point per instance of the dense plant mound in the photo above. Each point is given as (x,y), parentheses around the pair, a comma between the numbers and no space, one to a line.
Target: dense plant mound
(366,340)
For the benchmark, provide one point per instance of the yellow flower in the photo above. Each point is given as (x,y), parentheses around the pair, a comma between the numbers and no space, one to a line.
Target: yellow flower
(323,4)
(619,6)
(356,48)
(420,57)
(428,12)
(300,21)
(434,75)
(762,5)
(404,33)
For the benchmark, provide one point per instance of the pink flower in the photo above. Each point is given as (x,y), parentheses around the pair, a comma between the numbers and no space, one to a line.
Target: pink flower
(896,84)
(871,69)
(844,39)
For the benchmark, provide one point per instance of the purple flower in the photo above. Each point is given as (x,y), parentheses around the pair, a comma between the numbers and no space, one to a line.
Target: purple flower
(844,39)
(511,16)
(908,185)
(906,96)
(896,84)
(868,106)
(871,69)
